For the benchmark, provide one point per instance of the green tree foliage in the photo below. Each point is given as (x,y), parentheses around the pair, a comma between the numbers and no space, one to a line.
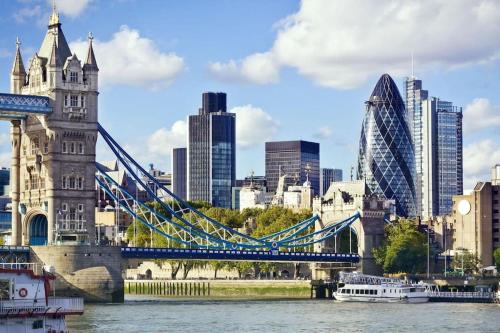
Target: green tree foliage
(496,255)
(470,262)
(405,249)
(274,219)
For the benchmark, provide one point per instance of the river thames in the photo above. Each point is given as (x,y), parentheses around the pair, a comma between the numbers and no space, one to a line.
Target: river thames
(164,315)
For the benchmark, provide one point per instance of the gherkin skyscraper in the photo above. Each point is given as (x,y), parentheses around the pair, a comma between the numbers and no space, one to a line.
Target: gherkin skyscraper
(386,159)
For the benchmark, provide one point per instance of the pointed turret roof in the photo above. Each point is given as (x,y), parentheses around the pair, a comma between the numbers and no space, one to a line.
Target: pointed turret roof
(55,33)
(54,60)
(90,62)
(18,66)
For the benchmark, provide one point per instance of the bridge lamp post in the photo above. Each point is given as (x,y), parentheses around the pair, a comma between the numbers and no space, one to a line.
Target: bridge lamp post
(464,209)
(56,231)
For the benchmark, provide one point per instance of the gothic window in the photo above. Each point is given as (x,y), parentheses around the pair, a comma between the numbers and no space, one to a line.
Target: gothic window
(80,183)
(35,144)
(82,101)
(26,184)
(42,183)
(81,148)
(65,100)
(64,182)
(73,77)
(46,147)
(74,100)
(72,147)
(64,147)
(34,181)
(64,206)
(80,207)
(72,183)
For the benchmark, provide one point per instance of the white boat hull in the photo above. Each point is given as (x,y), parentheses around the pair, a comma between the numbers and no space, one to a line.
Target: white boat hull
(372,299)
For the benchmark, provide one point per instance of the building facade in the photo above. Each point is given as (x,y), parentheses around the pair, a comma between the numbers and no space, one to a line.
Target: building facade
(441,157)
(479,230)
(297,159)
(414,96)
(53,157)
(4,181)
(179,172)
(386,159)
(328,176)
(211,152)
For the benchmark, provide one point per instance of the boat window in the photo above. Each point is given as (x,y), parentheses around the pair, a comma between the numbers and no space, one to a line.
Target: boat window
(348,291)
(37,324)
(371,291)
(4,289)
(384,290)
(357,291)
(376,292)
(412,290)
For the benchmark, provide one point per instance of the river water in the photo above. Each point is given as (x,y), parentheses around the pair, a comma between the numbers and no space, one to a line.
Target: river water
(177,315)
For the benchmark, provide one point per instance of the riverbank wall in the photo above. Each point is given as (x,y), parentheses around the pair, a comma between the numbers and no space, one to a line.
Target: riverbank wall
(293,289)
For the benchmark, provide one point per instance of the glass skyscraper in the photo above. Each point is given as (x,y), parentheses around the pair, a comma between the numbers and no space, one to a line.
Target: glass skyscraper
(212,152)
(442,160)
(386,159)
(179,171)
(296,159)
(326,177)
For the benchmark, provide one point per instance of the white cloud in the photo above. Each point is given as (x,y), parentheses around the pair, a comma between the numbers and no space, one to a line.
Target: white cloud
(163,140)
(27,13)
(253,126)
(71,7)
(323,132)
(342,43)
(480,115)
(257,68)
(129,59)
(479,158)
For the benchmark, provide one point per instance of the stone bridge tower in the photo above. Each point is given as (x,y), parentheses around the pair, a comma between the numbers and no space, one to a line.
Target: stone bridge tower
(53,156)
(344,199)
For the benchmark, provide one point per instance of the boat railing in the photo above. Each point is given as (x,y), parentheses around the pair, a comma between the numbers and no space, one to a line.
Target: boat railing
(68,304)
(18,265)
(61,305)
(461,294)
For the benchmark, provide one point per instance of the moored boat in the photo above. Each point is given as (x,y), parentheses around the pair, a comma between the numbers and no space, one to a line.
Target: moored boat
(26,304)
(355,287)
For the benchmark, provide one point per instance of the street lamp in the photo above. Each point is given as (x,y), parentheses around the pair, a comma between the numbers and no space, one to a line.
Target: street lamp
(463,209)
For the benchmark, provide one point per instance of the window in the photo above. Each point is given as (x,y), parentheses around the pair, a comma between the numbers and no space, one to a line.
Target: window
(74,100)
(80,183)
(73,77)
(82,101)
(35,144)
(81,148)
(64,147)
(376,292)
(65,100)
(72,148)
(34,181)
(80,207)
(72,183)
(42,182)
(26,184)
(64,206)
(37,324)
(64,182)
(357,291)
(46,148)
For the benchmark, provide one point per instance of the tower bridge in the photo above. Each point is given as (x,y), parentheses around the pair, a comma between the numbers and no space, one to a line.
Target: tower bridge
(53,110)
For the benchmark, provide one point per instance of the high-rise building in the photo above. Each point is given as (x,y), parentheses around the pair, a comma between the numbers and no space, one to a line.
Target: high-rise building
(297,159)
(386,159)
(415,95)
(441,157)
(328,176)
(179,172)
(211,152)
(4,181)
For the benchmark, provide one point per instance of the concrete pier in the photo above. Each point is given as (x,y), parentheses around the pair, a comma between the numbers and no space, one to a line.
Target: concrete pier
(92,272)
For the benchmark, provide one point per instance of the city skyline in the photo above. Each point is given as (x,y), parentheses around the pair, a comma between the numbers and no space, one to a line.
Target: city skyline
(329,114)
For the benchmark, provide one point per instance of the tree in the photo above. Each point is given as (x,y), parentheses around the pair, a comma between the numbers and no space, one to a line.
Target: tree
(243,267)
(496,255)
(405,249)
(216,266)
(470,262)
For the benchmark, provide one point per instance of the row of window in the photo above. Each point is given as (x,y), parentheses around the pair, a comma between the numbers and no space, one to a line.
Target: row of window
(72,182)
(34,182)
(74,101)
(73,147)
(359,291)
(65,208)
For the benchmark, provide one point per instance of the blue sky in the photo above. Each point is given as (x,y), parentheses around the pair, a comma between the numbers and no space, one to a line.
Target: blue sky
(291,69)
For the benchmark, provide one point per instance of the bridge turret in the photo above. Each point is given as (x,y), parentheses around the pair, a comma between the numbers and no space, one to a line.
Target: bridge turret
(18,74)
(90,69)
(54,68)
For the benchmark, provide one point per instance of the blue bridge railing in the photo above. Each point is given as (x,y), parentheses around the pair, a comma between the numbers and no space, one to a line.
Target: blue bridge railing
(19,106)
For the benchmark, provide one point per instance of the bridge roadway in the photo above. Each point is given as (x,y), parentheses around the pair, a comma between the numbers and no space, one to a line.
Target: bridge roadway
(6,253)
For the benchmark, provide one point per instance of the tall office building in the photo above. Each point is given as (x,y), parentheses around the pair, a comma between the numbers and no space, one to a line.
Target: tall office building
(4,181)
(415,95)
(179,172)
(328,176)
(296,159)
(386,159)
(211,152)
(442,165)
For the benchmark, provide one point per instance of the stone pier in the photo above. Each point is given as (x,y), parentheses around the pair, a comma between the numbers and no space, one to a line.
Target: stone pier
(92,272)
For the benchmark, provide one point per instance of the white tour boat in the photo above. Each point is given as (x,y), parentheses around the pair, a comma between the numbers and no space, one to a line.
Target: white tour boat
(354,287)
(25,304)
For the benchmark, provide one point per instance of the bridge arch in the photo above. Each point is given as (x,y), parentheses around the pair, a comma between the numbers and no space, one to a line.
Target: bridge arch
(37,228)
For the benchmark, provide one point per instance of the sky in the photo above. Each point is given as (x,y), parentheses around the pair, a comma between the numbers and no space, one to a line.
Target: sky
(291,69)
